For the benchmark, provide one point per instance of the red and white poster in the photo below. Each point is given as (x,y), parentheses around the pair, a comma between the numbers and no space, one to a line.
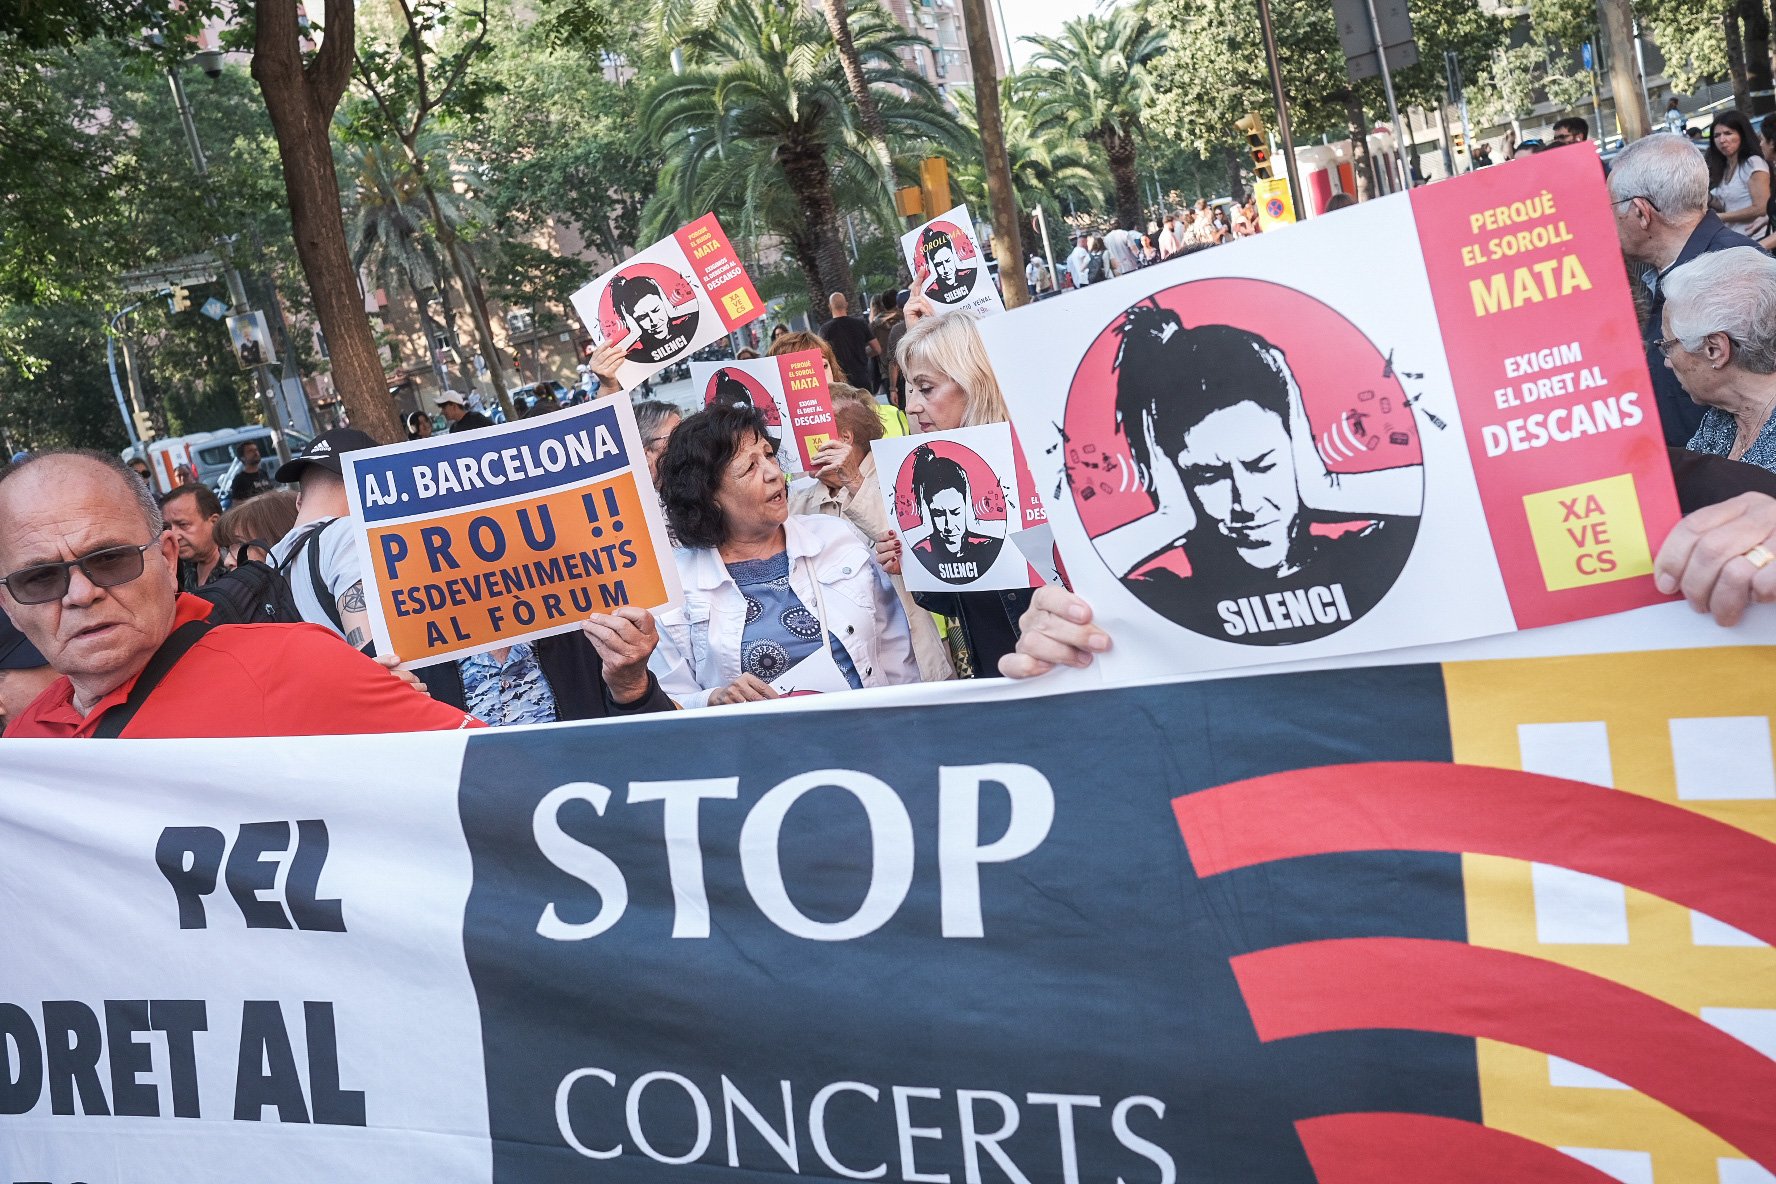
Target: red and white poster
(665,303)
(948,266)
(955,500)
(1425,419)
(790,392)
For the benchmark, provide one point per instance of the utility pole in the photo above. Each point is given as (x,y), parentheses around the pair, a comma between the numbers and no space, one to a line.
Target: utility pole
(1009,246)
(1282,103)
(263,382)
(1615,30)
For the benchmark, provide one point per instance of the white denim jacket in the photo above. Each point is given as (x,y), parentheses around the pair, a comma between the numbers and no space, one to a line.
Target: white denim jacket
(699,650)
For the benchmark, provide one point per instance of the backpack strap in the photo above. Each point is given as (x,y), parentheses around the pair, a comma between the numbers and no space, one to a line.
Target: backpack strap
(175,647)
(323,594)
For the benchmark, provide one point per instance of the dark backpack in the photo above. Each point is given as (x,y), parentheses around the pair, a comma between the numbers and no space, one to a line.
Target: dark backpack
(254,593)
(1094,268)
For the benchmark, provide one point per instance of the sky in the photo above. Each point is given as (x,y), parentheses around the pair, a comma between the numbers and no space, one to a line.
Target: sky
(1024,17)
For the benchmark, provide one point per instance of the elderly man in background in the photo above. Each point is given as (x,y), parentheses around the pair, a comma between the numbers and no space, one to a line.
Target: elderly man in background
(90,577)
(190,513)
(1658,189)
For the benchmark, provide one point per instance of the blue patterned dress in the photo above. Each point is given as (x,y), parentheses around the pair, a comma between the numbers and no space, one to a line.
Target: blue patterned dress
(1718,431)
(510,692)
(779,631)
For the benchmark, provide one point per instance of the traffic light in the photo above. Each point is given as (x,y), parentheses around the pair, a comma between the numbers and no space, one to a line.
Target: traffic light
(144,426)
(1257,143)
(1459,142)
(179,297)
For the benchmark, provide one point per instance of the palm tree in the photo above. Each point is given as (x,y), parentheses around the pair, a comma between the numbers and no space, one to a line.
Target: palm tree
(388,227)
(1092,80)
(1045,161)
(838,22)
(763,117)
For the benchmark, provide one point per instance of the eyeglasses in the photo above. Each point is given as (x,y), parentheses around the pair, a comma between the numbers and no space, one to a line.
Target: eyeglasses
(106,568)
(1622,201)
(1666,345)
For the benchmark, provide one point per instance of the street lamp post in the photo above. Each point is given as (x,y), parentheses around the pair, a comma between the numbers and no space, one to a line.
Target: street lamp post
(263,382)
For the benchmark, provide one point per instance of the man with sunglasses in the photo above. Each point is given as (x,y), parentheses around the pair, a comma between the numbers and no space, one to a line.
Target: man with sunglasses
(1659,191)
(88,575)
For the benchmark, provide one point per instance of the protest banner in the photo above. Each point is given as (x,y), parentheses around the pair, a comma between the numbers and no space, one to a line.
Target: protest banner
(955,498)
(669,301)
(944,258)
(790,392)
(471,542)
(1244,449)
(1498,911)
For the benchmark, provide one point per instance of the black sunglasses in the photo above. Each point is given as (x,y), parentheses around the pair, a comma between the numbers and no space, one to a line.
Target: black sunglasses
(43,582)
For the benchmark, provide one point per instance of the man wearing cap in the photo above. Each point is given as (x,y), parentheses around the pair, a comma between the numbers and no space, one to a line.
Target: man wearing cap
(88,575)
(455,409)
(319,556)
(23,673)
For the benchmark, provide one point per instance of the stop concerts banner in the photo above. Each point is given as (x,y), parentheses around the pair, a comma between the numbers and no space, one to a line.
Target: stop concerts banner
(1423,418)
(1492,913)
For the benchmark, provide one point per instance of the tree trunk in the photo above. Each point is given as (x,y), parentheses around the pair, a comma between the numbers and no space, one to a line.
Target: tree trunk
(1236,180)
(801,249)
(1736,59)
(839,22)
(1755,19)
(445,233)
(301,100)
(1362,167)
(1120,149)
(425,331)
(810,180)
(997,164)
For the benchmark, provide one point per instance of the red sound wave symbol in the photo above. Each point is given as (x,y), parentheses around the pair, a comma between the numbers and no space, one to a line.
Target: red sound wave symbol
(1438,986)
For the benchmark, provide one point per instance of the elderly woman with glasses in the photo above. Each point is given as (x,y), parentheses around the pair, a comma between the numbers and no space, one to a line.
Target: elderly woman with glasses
(1720,342)
(774,602)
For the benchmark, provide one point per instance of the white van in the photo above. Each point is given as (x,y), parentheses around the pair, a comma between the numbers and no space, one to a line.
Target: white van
(213,456)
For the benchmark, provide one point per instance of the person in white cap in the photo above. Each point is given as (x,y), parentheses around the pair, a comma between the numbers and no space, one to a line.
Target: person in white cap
(455,408)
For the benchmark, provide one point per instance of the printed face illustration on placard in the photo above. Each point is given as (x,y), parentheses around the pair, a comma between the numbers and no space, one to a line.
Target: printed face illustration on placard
(953,494)
(737,388)
(655,306)
(947,260)
(1246,460)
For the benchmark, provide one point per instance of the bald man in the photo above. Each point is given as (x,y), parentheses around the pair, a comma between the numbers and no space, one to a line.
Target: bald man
(90,577)
(852,342)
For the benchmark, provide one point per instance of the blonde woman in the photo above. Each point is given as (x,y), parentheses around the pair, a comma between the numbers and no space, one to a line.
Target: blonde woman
(951,384)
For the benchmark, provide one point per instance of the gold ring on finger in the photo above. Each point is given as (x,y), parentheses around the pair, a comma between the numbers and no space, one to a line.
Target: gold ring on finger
(1760,557)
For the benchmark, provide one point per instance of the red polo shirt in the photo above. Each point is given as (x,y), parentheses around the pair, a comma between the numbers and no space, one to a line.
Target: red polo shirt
(254,680)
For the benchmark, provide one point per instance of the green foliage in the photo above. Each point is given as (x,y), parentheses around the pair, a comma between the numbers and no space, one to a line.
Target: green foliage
(560,146)
(1046,162)
(1094,81)
(1689,35)
(1215,71)
(761,129)
(64,399)
(97,182)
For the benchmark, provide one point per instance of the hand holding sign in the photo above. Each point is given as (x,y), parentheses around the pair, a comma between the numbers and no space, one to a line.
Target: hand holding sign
(624,638)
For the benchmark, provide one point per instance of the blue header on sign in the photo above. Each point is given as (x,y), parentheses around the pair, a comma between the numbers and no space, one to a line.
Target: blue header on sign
(460,472)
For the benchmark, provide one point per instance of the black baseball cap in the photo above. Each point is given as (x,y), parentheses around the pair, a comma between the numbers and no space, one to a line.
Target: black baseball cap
(324,451)
(16,650)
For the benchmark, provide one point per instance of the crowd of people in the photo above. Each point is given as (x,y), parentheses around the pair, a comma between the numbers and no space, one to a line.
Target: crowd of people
(123,609)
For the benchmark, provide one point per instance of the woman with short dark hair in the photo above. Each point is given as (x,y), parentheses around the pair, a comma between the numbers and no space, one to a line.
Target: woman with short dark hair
(773,602)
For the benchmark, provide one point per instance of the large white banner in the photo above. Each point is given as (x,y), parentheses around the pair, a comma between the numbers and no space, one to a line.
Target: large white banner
(1317,924)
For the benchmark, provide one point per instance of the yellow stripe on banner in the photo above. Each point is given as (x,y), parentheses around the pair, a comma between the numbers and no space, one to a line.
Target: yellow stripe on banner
(1688,727)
